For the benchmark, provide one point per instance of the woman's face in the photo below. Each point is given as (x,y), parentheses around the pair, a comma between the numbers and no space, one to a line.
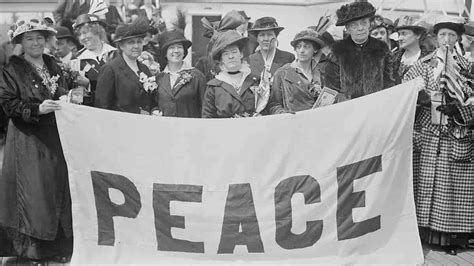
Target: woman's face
(175,53)
(380,33)
(304,51)
(231,58)
(359,29)
(33,43)
(447,37)
(407,37)
(266,40)
(132,48)
(88,38)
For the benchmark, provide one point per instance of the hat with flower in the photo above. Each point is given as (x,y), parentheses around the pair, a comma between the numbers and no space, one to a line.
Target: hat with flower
(410,22)
(354,11)
(28,25)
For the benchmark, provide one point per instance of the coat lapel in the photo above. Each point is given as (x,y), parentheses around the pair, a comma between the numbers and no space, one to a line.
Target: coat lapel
(248,82)
(128,72)
(230,89)
(177,88)
(165,83)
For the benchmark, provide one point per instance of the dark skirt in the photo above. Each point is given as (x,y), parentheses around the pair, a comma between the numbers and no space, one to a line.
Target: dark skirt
(430,236)
(15,244)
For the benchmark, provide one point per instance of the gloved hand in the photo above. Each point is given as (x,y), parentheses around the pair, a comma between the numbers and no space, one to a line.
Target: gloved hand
(424,99)
(449,109)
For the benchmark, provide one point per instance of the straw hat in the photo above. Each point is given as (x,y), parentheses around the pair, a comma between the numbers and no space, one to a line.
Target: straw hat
(28,25)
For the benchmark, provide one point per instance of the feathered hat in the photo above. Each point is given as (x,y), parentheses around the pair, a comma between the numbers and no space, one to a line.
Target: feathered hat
(354,11)
(28,25)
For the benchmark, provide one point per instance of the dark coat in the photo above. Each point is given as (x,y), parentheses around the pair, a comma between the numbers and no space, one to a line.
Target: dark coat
(221,100)
(356,70)
(185,99)
(119,89)
(281,58)
(34,190)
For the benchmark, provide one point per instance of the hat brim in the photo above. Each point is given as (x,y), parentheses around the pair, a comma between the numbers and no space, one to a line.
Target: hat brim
(15,38)
(242,41)
(457,27)
(102,23)
(186,44)
(318,41)
(346,21)
(141,35)
(255,31)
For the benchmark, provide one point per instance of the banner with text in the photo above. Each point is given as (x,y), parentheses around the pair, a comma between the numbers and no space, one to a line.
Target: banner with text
(330,185)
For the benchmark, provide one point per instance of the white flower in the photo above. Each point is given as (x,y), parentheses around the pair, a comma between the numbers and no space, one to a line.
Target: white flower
(149,83)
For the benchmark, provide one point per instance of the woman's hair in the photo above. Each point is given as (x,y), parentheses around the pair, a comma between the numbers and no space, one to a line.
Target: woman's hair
(95,28)
(240,44)
(315,45)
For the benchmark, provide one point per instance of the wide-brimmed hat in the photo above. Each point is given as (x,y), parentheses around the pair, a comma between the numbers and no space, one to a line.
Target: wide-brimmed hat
(411,23)
(88,18)
(265,23)
(168,38)
(379,21)
(449,22)
(28,25)
(354,11)
(220,40)
(138,28)
(308,35)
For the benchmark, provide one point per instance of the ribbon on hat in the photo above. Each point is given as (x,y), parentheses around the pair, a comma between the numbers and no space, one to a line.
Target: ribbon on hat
(230,21)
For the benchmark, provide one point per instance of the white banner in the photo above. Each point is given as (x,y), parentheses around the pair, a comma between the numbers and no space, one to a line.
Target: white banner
(330,185)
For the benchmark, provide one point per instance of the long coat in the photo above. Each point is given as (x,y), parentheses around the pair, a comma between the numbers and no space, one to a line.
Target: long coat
(120,89)
(291,91)
(221,100)
(444,183)
(358,70)
(185,98)
(34,190)
(257,64)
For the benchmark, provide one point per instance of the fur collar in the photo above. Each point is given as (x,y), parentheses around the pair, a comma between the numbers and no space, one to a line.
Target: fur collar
(373,47)
(20,65)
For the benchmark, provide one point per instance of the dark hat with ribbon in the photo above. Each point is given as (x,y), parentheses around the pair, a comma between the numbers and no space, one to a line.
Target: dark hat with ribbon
(265,23)
(354,11)
(138,28)
(308,35)
(168,38)
(28,25)
(221,40)
(87,18)
(449,22)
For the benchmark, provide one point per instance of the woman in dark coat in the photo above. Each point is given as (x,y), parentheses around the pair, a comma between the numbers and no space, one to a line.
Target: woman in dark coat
(232,92)
(35,204)
(296,86)
(180,86)
(124,84)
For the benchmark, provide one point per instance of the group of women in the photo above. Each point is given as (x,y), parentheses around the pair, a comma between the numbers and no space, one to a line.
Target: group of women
(35,214)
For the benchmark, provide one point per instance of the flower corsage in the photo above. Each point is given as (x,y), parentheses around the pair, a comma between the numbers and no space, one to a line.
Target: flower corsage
(149,83)
(51,83)
(185,77)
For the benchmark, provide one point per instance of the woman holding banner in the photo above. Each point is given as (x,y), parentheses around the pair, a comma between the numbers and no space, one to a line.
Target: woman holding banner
(35,204)
(125,84)
(443,149)
(234,91)
(180,86)
(296,86)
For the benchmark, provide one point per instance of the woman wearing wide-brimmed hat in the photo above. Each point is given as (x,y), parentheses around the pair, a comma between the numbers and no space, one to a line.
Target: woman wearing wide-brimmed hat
(443,165)
(35,204)
(181,87)
(268,57)
(297,85)
(233,91)
(411,32)
(361,63)
(125,84)
(90,31)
